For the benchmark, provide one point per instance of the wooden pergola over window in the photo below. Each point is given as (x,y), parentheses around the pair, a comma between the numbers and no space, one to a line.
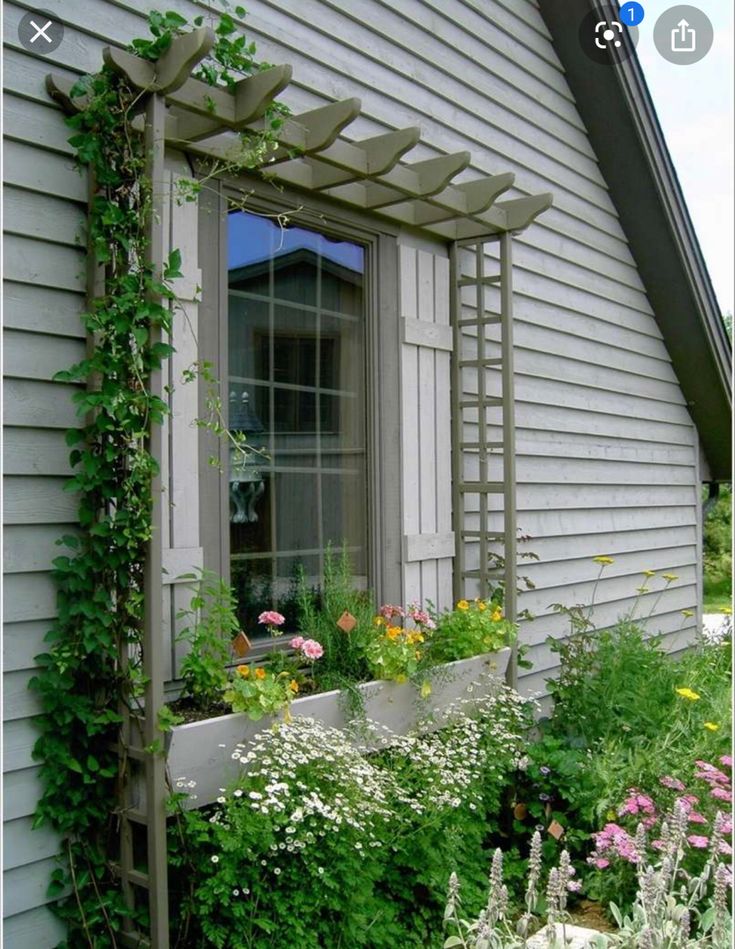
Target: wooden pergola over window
(369,175)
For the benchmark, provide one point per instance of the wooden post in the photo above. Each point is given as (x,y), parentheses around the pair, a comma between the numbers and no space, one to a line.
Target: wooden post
(153,658)
(509,445)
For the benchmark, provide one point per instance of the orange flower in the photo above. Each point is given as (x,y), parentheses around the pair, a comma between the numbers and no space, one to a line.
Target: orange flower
(260,673)
(393,632)
(243,671)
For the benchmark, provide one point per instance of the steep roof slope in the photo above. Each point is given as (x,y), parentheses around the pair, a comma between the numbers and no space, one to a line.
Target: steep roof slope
(623,128)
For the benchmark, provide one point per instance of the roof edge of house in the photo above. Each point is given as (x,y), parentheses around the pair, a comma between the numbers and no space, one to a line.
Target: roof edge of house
(621,121)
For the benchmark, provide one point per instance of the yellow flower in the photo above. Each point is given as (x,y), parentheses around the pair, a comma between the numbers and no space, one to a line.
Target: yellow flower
(603,561)
(243,671)
(687,693)
(401,678)
(463,605)
(497,616)
(379,621)
(294,686)
(393,632)
(649,573)
(641,589)
(425,689)
(687,612)
(669,577)
(481,605)
(727,611)
(260,673)
(611,815)
(711,726)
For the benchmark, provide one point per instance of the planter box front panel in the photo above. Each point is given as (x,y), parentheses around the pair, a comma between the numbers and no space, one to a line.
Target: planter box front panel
(202,751)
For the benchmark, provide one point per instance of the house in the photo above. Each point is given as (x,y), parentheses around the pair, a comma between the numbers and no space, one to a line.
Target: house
(337,348)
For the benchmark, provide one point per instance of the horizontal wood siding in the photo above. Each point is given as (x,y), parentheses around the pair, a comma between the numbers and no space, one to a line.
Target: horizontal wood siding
(606,448)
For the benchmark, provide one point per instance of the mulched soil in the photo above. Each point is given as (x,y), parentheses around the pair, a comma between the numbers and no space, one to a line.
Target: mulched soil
(592,915)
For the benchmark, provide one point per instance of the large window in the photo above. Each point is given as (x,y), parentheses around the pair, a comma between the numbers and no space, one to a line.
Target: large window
(296,385)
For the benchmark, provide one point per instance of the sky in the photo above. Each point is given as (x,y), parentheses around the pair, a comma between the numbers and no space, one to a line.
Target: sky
(695,108)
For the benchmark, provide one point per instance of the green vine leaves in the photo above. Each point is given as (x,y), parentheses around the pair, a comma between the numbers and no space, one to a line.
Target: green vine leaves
(91,672)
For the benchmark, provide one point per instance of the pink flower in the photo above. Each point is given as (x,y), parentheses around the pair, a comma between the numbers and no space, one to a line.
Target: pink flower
(695,818)
(574,886)
(297,642)
(726,760)
(674,783)
(312,649)
(601,863)
(725,848)
(658,844)
(421,617)
(388,612)
(700,842)
(637,803)
(721,794)
(271,618)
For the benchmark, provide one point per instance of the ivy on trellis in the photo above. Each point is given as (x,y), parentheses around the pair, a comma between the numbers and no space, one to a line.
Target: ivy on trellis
(92,670)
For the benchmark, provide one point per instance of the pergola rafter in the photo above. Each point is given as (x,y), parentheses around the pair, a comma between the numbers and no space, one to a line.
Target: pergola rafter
(212,123)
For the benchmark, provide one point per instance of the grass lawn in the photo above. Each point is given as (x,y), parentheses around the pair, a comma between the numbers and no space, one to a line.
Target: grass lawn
(717,595)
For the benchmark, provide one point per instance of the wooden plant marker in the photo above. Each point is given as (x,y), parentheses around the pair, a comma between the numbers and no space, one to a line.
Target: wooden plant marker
(241,644)
(346,622)
(556,830)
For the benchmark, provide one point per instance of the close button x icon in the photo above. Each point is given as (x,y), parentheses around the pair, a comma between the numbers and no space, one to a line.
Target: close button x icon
(41,31)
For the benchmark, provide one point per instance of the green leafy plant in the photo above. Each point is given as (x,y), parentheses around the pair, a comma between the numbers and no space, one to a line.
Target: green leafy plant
(211,625)
(471,628)
(315,807)
(398,651)
(259,691)
(344,662)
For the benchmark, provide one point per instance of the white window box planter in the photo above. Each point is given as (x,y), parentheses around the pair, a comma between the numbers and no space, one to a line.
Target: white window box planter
(202,751)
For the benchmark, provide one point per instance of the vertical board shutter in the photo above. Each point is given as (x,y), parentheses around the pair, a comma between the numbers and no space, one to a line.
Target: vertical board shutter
(428,541)
(182,551)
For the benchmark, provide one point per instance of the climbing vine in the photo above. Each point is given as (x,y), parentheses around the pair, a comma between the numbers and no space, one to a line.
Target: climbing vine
(92,668)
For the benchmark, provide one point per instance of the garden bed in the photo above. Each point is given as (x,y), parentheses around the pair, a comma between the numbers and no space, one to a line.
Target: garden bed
(202,751)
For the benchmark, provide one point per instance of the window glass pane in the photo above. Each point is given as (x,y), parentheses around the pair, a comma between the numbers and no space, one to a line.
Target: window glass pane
(297,391)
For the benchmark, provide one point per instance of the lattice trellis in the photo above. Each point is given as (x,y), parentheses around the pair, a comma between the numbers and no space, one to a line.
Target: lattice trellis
(369,175)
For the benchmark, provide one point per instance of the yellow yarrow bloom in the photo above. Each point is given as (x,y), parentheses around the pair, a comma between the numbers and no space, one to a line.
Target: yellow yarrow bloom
(687,693)
(463,605)
(649,573)
(669,577)
(603,561)
(711,726)
(687,612)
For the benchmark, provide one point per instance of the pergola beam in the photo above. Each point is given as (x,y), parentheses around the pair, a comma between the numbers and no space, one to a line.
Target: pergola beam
(208,121)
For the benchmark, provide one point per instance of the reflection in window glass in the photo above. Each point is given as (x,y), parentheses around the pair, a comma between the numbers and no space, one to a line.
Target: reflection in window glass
(296,385)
